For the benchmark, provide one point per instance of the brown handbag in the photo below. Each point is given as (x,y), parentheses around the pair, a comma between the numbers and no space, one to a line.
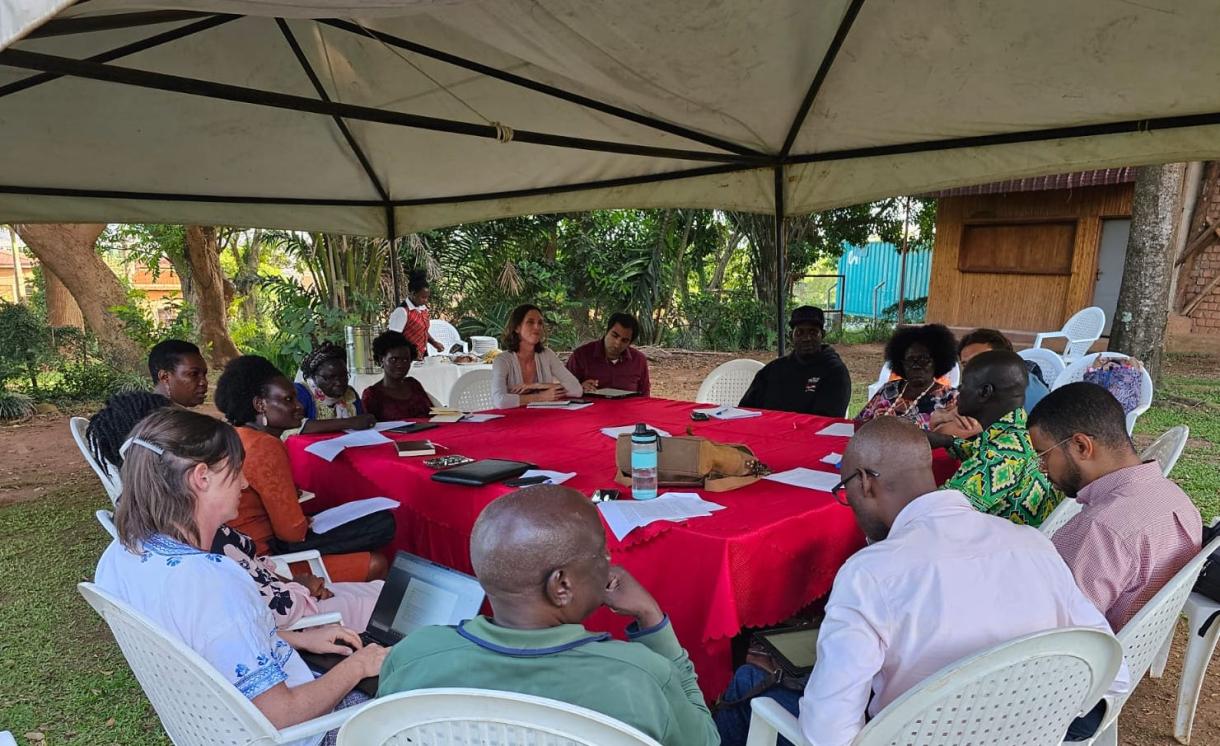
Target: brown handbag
(692,462)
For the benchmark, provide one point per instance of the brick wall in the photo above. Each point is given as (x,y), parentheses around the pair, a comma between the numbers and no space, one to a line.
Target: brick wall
(1199,271)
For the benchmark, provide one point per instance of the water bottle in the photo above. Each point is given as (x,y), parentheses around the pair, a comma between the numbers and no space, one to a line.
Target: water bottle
(644,446)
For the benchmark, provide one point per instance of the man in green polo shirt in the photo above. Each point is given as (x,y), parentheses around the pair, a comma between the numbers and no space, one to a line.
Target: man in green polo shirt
(1000,472)
(540,553)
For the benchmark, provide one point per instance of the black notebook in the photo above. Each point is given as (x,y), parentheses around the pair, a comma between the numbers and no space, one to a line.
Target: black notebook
(482,472)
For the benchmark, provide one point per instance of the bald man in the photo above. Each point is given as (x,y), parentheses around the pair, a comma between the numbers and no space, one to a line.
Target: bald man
(999,469)
(939,582)
(541,555)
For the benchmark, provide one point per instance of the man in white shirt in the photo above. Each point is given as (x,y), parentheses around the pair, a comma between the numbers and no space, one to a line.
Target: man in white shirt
(939,582)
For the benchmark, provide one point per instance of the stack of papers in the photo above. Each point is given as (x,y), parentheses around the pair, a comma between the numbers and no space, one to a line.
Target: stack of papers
(729,413)
(810,479)
(568,405)
(624,516)
(444,414)
(330,449)
(614,432)
(348,512)
(552,477)
(839,429)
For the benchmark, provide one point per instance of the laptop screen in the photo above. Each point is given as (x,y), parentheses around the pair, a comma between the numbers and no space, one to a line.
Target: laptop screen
(418,593)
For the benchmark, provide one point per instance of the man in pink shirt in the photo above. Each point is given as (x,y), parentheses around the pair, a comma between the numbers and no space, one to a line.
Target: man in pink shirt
(610,362)
(1137,528)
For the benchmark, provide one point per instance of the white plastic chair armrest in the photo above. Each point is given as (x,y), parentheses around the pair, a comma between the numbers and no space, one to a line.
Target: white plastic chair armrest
(317,620)
(769,718)
(1047,335)
(318,725)
(312,556)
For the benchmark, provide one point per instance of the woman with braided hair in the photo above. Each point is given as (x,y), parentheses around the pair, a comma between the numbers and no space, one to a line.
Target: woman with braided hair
(289,600)
(326,395)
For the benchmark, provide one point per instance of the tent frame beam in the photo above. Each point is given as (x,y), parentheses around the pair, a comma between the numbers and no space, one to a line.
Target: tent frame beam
(549,90)
(339,121)
(127,49)
(819,78)
(112,22)
(240,94)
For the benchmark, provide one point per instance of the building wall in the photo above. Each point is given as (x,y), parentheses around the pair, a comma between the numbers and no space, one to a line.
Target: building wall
(1200,270)
(864,266)
(1025,300)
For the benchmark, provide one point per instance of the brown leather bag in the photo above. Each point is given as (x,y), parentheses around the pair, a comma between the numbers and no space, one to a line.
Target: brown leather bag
(696,463)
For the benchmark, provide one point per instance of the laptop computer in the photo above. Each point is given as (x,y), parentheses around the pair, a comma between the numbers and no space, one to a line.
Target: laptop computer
(482,472)
(416,593)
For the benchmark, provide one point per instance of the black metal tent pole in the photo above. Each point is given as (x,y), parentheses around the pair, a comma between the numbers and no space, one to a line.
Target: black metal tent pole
(112,22)
(391,229)
(241,94)
(781,249)
(549,90)
(136,46)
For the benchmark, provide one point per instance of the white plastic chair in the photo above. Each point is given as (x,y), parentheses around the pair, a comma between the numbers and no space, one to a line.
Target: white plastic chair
(1075,372)
(725,385)
(1026,691)
(1063,512)
(1080,331)
(1048,360)
(6,739)
(1168,448)
(449,717)
(447,334)
(106,518)
(472,392)
(1199,651)
(196,705)
(1146,635)
(110,482)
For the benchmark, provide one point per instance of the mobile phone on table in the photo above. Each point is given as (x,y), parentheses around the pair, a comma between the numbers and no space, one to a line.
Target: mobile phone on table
(527,481)
(699,416)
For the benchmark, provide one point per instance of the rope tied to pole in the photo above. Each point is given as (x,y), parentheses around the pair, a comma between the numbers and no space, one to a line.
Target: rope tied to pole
(504,133)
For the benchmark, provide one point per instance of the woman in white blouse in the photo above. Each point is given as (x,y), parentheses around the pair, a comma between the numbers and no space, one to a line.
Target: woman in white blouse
(182,479)
(529,371)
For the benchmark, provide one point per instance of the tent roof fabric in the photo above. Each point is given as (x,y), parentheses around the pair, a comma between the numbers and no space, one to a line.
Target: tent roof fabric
(385,116)
(1076,180)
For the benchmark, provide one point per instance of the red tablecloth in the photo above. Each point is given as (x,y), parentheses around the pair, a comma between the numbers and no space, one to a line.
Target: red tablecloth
(774,549)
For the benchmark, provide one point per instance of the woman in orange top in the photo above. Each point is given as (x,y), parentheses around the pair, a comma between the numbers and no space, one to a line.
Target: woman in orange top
(261,403)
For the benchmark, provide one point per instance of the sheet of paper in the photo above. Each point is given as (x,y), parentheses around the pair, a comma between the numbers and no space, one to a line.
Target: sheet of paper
(481,417)
(553,477)
(348,512)
(387,425)
(614,432)
(446,417)
(624,516)
(564,405)
(729,413)
(839,429)
(810,479)
(305,496)
(423,604)
(834,459)
(330,449)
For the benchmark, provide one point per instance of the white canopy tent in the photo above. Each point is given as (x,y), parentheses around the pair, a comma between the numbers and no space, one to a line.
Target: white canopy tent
(381,118)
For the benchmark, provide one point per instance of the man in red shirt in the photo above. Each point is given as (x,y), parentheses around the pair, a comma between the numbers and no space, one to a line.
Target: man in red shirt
(610,362)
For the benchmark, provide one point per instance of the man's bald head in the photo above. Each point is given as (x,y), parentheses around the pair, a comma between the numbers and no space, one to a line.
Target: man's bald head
(889,463)
(993,383)
(521,538)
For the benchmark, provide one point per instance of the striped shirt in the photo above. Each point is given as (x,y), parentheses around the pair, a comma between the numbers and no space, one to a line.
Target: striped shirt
(1135,531)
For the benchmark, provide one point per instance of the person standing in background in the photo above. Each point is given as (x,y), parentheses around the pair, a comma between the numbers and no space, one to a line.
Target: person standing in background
(412,317)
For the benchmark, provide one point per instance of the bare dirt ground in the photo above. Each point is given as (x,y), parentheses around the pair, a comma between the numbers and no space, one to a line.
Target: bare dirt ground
(40,458)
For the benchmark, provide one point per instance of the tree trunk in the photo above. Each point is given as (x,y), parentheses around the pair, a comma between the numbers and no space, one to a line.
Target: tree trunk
(203,253)
(1143,300)
(66,249)
(61,306)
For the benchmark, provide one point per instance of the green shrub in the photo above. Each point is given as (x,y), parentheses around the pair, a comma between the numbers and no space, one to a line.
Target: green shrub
(25,344)
(15,405)
(96,382)
(735,320)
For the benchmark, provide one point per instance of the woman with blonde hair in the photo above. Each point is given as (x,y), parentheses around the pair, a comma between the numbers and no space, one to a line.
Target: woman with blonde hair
(182,480)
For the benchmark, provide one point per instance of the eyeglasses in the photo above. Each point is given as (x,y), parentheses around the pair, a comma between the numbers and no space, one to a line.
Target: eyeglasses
(1042,454)
(840,490)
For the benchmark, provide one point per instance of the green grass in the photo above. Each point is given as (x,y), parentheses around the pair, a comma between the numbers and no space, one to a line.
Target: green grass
(63,676)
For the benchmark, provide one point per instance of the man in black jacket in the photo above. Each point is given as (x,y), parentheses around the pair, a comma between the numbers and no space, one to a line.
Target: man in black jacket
(810,380)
